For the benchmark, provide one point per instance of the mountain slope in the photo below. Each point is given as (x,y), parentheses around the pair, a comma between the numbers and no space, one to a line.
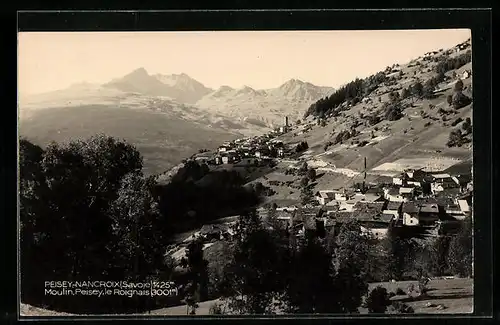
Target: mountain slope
(416,140)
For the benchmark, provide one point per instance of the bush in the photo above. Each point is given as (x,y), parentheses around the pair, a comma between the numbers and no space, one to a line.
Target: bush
(459,100)
(427,124)
(378,300)
(455,122)
(393,113)
(459,86)
(216,309)
(400,308)
(456,139)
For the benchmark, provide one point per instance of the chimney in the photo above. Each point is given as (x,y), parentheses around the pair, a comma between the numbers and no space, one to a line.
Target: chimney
(286,121)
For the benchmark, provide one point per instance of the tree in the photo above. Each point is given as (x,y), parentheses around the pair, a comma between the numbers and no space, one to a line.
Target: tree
(69,200)
(136,224)
(395,254)
(306,195)
(405,93)
(460,251)
(303,169)
(459,85)
(460,100)
(449,99)
(467,126)
(438,252)
(393,112)
(455,139)
(311,289)
(393,96)
(304,181)
(378,300)
(197,275)
(254,275)
(417,89)
(428,88)
(298,122)
(311,174)
(351,255)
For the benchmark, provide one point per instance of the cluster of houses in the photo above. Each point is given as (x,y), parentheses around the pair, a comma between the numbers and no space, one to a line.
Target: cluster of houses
(248,151)
(463,46)
(420,202)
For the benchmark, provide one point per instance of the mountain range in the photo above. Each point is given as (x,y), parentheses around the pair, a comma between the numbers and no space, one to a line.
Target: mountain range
(148,109)
(255,109)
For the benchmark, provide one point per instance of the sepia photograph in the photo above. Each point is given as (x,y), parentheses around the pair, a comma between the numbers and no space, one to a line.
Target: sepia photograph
(321,172)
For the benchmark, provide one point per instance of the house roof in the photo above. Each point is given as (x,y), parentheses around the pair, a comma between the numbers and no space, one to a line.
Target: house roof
(444,201)
(441,176)
(393,191)
(370,207)
(429,208)
(453,207)
(372,197)
(405,190)
(341,216)
(464,205)
(464,179)
(386,217)
(393,205)
(332,203)
(410,207)
(327,194)
(364,215)
(449,192)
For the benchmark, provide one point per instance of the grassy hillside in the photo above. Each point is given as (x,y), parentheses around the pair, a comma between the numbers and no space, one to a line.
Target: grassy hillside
(162,140)
(417,139)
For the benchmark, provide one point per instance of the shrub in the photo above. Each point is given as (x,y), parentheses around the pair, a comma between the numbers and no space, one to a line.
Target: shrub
(455,122)
(427,124)
(378,300)
(216,309)
(455,139)
(400,308)
(373,119)
(393,113)
(459,86)
(459,100)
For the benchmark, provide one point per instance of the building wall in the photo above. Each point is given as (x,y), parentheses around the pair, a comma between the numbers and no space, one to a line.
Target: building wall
(397,181)
(409,220)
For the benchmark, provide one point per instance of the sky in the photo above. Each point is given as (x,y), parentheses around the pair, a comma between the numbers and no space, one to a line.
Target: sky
(260,59)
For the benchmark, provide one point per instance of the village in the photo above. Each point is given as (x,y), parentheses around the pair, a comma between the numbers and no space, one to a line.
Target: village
(418,202)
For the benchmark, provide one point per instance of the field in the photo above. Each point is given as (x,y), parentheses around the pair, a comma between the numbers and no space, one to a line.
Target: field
(428,164)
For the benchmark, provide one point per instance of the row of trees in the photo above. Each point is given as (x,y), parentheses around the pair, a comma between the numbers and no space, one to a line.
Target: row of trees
(271,271)
(447,63)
